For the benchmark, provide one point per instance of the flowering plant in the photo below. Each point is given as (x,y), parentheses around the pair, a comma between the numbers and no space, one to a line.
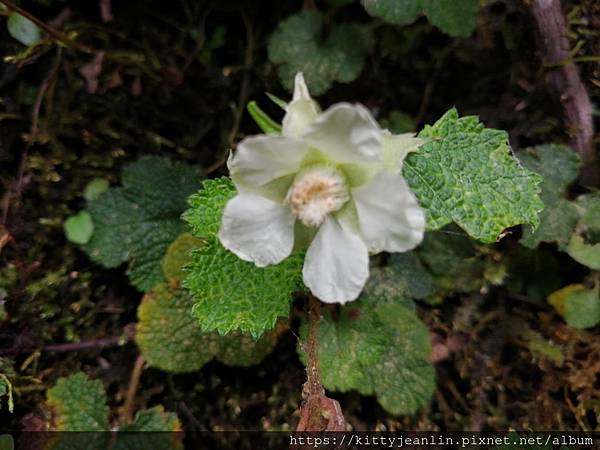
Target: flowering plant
(331,181)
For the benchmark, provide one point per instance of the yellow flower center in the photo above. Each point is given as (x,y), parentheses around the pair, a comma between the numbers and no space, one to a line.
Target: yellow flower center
(317,192)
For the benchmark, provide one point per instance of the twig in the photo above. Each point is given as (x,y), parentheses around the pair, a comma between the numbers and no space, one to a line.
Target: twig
(243,97)
(138,368)
(85,345)
(199,44)
(563,77)
(48,29)
(318,412)
(313,384)
(35,113)
(127,336)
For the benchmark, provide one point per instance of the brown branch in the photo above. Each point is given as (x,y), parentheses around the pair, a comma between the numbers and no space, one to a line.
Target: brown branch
(243,97)
(318,412)
(563,76)
(48,29)
(113,341)
(136,374)
(35,113)
(313,384)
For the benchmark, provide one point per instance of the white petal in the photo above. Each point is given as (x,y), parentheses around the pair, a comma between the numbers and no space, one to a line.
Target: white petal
(257,229)
(346,133)
(396,147)
(300,88)
(389,216)
(301,111)
(259,160)
(336,266)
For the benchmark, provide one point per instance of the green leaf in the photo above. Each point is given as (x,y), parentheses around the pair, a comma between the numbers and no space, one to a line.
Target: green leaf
(404,380)
(583,253)
(206,207)
(178,255)
(557,164)
(399,12)
(94,188)
(589,208)
(454,17)
(377,345)
(171,339)
(79,228)
(559,167)
(6,390)
(241,350)
(151,429)
(279,102)
(155,419)
(534,274)
(138,221)
(6,442)
(348,345)
(78,404)
(297,46)
(582,308)
(231,294)
(262,119)
(467,174)
(410,276)
(399,122)
(558,221)
(23,29)
(453,262)
(168,335)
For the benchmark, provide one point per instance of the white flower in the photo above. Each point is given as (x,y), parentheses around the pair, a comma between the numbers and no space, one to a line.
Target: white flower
(331,181)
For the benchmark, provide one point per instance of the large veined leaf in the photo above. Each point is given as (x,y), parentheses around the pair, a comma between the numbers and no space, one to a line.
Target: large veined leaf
(455,17)
(139,220)
(467,174)
(579,305)
(167,333)
(559,167)
(230,294)
(78,404)
(377,346)
(297,46)
(171,339)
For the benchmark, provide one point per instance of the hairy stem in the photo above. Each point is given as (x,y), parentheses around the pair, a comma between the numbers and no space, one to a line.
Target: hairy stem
(313,384)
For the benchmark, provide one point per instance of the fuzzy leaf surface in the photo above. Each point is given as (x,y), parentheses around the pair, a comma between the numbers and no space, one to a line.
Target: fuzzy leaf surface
(230,294)
(297,46)
(178,255)
(139,220)
(467,174)
(559,167)
(78,404)
(582,308)
(167,333)
(154,419)
(454,17)
(377,346)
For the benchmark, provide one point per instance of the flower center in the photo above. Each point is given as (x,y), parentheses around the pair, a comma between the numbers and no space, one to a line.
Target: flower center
(316,192)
